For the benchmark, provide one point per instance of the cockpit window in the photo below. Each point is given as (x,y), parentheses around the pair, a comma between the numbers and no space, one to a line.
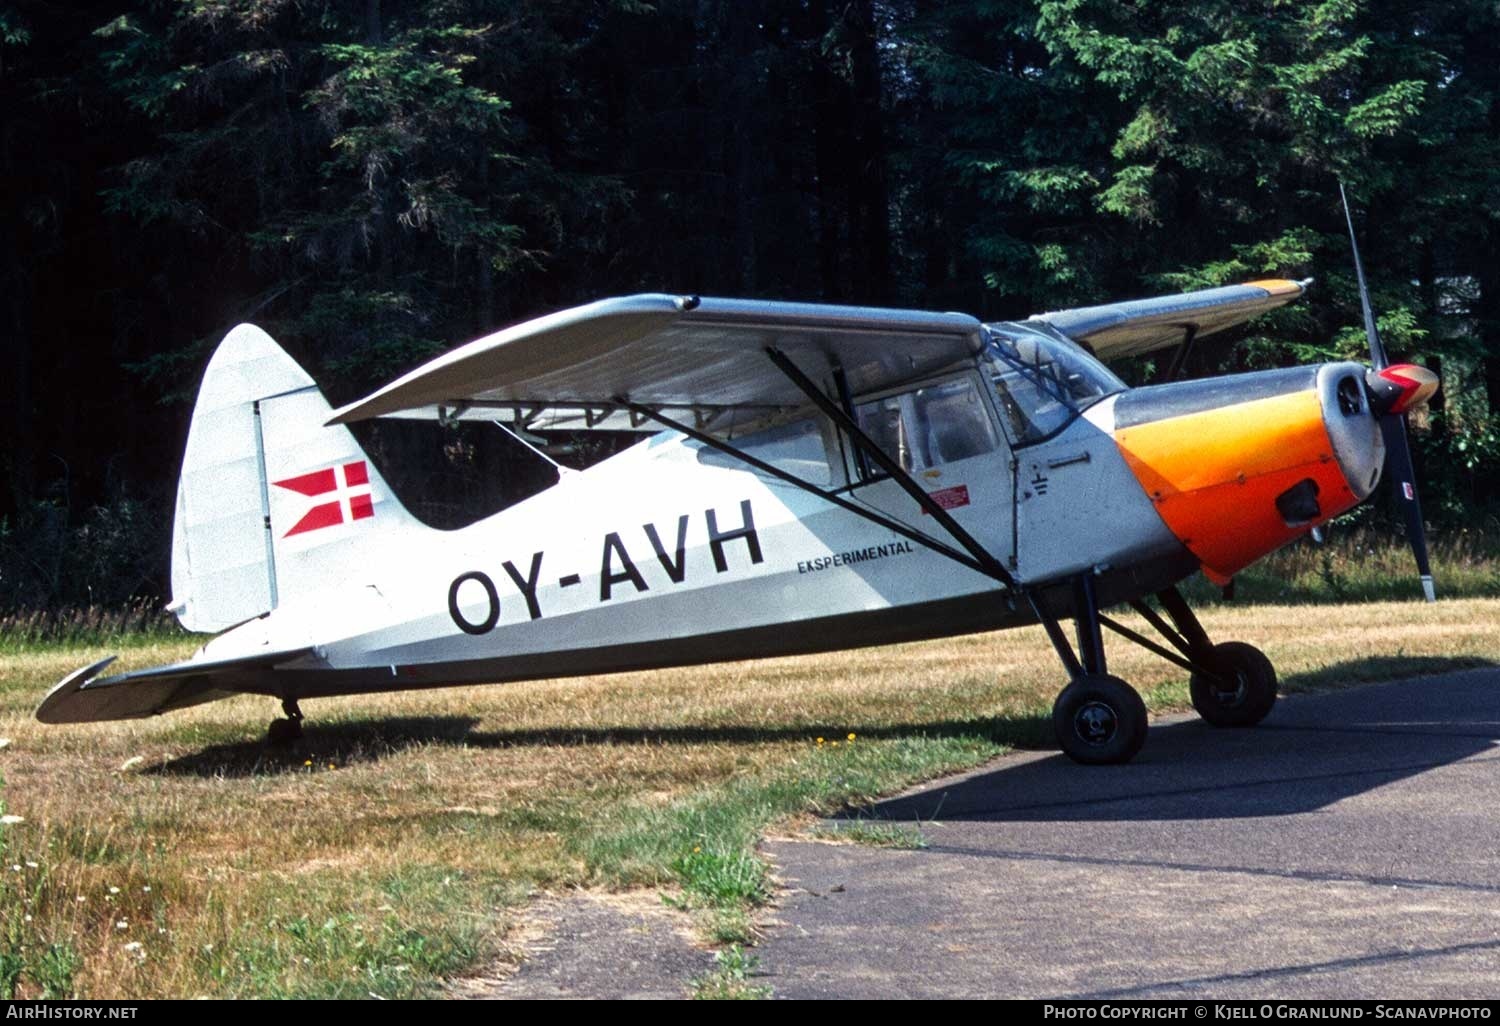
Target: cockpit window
(1043,379)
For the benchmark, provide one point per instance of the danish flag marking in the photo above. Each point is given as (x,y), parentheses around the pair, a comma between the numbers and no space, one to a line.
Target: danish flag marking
(351,500)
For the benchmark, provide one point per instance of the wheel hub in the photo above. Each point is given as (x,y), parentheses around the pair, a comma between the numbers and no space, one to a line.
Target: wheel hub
(1231,688)
(1095,723)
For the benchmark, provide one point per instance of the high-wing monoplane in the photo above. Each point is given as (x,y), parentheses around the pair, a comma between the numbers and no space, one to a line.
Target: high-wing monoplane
(811,477)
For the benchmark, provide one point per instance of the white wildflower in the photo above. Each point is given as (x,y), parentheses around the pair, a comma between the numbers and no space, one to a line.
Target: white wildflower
(123,924)
(114,890)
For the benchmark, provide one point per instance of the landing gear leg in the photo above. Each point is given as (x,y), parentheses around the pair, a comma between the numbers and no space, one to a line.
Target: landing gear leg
(287,732)
(1098,719)
(1233,684)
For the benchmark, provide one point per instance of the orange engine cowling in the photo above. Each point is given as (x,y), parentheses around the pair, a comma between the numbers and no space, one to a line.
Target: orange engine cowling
(1239,466)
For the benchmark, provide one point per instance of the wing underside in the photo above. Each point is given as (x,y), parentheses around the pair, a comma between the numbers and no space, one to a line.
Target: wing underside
(1117,330)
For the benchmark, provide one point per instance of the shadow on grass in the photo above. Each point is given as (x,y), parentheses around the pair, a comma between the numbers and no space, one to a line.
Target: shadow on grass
(368,740)
(1376,669)
(355,741)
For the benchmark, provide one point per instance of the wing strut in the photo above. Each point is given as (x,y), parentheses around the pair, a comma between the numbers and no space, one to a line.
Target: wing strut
(645,412)
(1179,358)
(836,413)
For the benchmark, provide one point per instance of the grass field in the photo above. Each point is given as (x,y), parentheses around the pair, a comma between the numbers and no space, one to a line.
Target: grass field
(180,857)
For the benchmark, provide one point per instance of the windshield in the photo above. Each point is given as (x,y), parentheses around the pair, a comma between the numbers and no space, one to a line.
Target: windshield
(1043,378)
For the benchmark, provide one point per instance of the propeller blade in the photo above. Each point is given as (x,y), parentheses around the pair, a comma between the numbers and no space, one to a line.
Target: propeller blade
(1398,462)
(1377,350)
(1398,467)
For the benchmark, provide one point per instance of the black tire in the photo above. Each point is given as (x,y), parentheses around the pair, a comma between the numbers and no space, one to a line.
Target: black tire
(1252,686)
(284,733)
(1099,720)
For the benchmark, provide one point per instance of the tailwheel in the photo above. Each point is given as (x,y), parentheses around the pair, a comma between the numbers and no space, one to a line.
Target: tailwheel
(284,733)
(287,732)
(1242,689)
(1099,720)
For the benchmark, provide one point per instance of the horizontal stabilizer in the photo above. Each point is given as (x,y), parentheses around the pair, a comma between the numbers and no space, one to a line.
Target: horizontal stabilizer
(1117,330)
(86,697)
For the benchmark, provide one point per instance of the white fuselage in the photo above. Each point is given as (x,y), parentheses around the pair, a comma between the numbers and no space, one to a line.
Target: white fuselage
(670,554)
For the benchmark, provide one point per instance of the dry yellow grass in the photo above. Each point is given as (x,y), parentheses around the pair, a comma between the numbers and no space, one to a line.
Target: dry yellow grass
(386,853)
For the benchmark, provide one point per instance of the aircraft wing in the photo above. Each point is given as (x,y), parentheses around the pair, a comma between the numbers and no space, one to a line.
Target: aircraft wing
(703,358)
(1117,330)
(87,697)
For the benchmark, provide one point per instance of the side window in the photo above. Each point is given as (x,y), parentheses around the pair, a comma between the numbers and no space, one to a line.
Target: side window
(957,425)
(796,448)
(929,426)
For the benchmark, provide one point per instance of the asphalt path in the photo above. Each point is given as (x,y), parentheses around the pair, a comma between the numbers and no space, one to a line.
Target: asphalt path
(1349,847)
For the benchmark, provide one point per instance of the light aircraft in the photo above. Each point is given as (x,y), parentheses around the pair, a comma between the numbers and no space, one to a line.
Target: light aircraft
(815,477)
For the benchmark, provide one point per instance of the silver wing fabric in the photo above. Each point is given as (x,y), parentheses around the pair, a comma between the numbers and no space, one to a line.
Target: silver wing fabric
(702,357)
(705,359)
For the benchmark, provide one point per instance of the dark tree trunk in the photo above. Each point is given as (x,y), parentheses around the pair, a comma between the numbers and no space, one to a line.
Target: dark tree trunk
(1427,287)
(484,309)
(744,159)
(868,189)
(830,121)
(1487,318)
(20,438)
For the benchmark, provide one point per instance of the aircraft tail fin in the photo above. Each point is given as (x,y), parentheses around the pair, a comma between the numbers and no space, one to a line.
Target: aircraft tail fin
(270,502)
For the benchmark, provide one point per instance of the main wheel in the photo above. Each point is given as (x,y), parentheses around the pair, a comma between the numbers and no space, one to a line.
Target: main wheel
(1243,691)
(1099,720)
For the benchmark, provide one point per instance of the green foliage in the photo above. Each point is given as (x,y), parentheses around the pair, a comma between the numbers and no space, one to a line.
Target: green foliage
(1387,112)
(368,170)
(1365,560)
(13,30)
(730,980)
(107,557)
(722,877)
(1287,254)
(44,968)
(134,58)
